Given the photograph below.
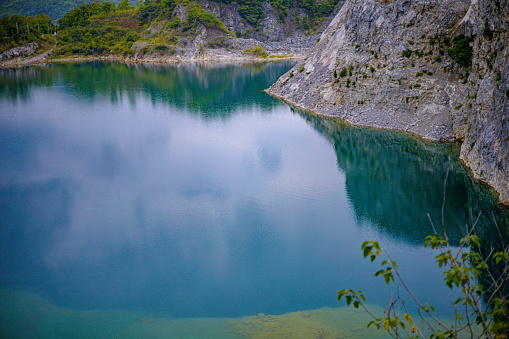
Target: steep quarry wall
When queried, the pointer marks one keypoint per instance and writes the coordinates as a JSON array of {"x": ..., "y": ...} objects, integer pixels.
[{"x": 435, "y": 68}]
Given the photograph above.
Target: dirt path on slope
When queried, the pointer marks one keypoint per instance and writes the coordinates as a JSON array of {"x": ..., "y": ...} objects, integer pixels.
[{"x": 41, "y": 57}]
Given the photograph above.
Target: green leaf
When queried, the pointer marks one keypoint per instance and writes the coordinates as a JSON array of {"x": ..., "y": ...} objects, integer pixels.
[
  {"x": 367, "y": 251},
  {"x": 388, "y": 277},
  {"x": 341, "y": 294}
]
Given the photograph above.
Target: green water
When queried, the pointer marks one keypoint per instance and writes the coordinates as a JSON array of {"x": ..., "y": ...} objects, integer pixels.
[{"x": 182, "y": 201}]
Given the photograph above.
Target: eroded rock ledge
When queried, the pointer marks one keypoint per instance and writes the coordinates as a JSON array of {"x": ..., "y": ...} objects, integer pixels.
[{"x": 390, "y": 64}]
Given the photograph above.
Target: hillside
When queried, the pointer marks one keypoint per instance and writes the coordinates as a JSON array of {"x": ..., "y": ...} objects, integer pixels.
[
  {"x": 435, "y": 68},
  {"x": 55, "y": 9},
  {"x": 166, "y": 30}
]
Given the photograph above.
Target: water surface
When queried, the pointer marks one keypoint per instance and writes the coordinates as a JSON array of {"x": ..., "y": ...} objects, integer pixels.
[{"x": 160, "y": 192}]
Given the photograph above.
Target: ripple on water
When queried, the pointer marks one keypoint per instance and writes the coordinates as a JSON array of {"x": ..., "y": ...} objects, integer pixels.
[{"x": 269, "y": 156}]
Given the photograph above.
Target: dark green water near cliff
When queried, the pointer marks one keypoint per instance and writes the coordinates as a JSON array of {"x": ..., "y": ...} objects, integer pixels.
[{"x": 183, "y": 201}]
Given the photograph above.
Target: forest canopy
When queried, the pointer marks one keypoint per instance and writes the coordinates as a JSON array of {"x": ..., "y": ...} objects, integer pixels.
[{"x": 55, "y": 9}]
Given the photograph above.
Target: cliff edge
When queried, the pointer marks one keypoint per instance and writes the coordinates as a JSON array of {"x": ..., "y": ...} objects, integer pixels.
[{"x": 435, "y": 68}]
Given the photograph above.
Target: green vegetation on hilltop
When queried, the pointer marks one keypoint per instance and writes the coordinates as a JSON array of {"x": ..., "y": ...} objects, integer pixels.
[
  {"x": 318, "y": 9},
  {"x": 99, "y": 28},
  {"x": 19, "y": 30},
  {"x": 55, "y": 9},
  {"x": 112, "y": 27},
  {"x": 103, "y": 28}
]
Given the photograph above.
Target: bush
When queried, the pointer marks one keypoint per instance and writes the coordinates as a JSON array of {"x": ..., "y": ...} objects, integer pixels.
[
  {"x": 252, "y": 12},
  {"x": 282, "y": 8},
  {"x": 406, "y": 53},
  {"x": 461, "y": 53},
  {"x": 258, "y": 51},
  {"x": 197, "y": 14},
  {"x": 175, "y": 23}
]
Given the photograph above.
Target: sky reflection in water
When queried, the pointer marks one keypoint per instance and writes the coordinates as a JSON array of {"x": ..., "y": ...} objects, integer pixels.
[{"x": 187, "y": 190}]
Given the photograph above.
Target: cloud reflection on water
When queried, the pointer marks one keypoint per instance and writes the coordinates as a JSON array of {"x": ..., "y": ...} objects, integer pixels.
[{"x": 164, "y": 200}]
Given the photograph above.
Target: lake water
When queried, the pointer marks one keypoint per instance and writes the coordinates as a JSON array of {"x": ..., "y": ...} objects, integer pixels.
[{"x": 182, "y": 201}]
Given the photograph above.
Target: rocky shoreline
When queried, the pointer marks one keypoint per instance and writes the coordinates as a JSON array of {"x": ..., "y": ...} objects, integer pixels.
[
  {"x": 295, "y": 47},
  {"x": 155, "y": 60},
  {"x": 191, "y": 56}
]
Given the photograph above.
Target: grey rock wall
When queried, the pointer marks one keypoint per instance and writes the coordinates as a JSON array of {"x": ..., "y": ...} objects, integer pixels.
[
  {"x": 21, "y": 51},
  {"x": 387, "y": 64},
  {"x": 486, "y": 146},
  {"x": 270, "y": 28}
]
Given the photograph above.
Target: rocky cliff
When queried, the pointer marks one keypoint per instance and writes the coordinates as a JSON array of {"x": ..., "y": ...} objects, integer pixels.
[
  {"x": 21, "y": 51},
  {"x": 278, "y": 37},
  {"x": 435, "y": 68}
]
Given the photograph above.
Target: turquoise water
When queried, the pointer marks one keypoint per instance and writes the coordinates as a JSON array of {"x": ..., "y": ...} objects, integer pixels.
[{"x": 186, "y": 194}]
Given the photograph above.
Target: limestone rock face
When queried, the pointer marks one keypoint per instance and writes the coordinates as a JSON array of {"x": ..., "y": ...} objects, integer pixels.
[
  {"x": 21, "y": 51},
  {"x": 486, "y": 146},
  {"x": 270, "y": 28},
  {"x": 405, "y": 64}
]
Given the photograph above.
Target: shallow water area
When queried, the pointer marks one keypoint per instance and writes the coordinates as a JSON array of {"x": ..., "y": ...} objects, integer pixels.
[
  {"x": 182, "y": 201},
  {"x": 29, "y": 316}
]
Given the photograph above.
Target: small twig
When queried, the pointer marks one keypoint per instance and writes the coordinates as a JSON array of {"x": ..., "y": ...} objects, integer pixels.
[
  {"x": 373, "y": 316},
  {"x": 414, "y": 297},
  {"x": 443, "y": 208},
  {"x": 432, "y": 224},
  {"x": 468, "y": 321}
]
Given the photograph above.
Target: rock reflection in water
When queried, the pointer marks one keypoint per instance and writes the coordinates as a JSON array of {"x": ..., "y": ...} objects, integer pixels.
[{"x": 394, "y": 180}]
